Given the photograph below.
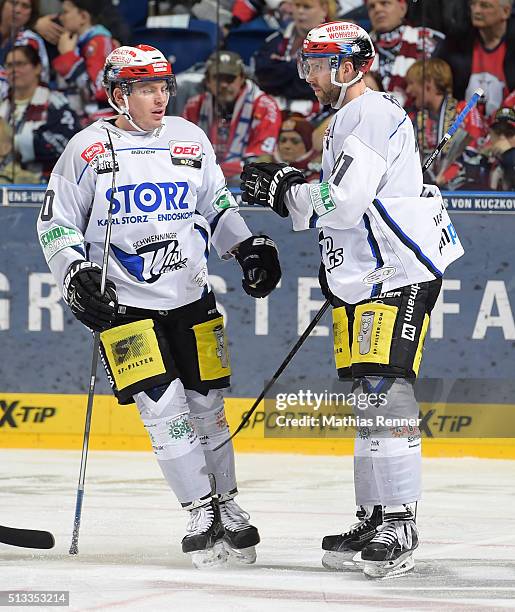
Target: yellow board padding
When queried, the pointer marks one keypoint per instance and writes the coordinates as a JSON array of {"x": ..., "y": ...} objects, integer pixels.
[
  {"x": 47, "y": 421},
  {"x": 212, "y": 349},
  {"x": 420, "y": 347},
  {"x": 133, "y": 353},
  {"x": 342, "y": 356}
]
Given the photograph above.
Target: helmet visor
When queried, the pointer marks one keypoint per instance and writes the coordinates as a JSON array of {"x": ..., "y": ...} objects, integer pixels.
[
  {"x": 315, "y": 65},
  {"x": 169, "y": 83}
]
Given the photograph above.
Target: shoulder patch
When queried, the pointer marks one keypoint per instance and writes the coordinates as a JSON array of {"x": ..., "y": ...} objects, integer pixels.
[
  {"x": 89, "y": 154},
  {"x": 186, "y": 153}
]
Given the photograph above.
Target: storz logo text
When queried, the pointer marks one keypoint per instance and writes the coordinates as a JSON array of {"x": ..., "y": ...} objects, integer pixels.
[{"x": 148, "y": 197}]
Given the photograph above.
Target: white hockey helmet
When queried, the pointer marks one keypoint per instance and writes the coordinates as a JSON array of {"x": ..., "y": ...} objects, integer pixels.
[
  {"x": 127, "y": 65},
  {"x": 333, "y": 42}
]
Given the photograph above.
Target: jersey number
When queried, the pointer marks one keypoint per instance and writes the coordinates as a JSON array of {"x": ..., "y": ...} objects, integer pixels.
[
  {"x": 347, "y": 161},
  {"x": 46, "y": 209},
  {"x": 393, "y": 100}
]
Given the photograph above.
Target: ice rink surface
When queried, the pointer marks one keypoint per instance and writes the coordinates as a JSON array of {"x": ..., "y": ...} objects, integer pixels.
[{"x": 130, "y": 557}]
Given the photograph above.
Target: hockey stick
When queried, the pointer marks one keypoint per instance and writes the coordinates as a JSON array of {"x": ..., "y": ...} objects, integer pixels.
[
  {"x": 74, "y": 547},
  {"x": 448, "y": 135},
  {"x": 280, "y": 370},
  {"x": 26, "y": 538},
  {"x": 453, "y": 129}
]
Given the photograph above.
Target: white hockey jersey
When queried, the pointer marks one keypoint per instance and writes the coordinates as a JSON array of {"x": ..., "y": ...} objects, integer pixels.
[
  {"x": 170, "y": 204},
  {"x": 377, "y": 232}
]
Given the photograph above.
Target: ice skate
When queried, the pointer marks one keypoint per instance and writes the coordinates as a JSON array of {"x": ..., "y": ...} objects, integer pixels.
[
  {"x": 342, "y": 548},
  {"x": 240, "y": 537},
  {"x": 205, "y": 532},
  {"x": 390, "y": 552}
]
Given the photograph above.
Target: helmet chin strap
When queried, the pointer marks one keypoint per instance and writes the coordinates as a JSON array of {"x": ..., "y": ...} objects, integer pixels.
[
  {"x": 343, "y": 87},
  {"x": 124, "y": 111}
]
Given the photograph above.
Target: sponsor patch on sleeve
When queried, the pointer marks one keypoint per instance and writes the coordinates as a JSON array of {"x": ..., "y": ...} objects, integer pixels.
[
  {"x": 186, "y": 153},
  {"x": 321, "y": 201},
  {"x": 58, "y": 238},
  {"x": 224, "y": 200}
]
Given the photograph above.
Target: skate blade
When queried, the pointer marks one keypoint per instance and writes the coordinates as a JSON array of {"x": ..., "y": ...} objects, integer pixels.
[
  {"x": 209, "y": 558},
  {"x": 389, "y": 569},
  {"x": 343, "y": 561},
  {"x": 245, "y": 556}
]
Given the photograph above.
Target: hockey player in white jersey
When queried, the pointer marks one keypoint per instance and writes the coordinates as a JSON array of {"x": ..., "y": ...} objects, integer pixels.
[
  {"x": 163, "y": 342},
  {"x": 384, "y": 250}
]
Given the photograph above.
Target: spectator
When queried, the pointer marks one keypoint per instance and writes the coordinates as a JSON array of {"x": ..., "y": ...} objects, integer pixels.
[
  {"x": 398, "y": 45},
  {"x": 430, "y": 87},
  {"x": 452, "y": 17},
  {"x": 42, "y": 118},
  {"x": 83, "y": 48},
  {"x": 276, "y": 61},
  {"x": 240, "y": 120},
  {"x": 346, "y": 6},
  {"x": 244, "y": 11},
  {"x": 10, "y": 169},
  {"x": 510, "y": 101},
  {"x": 49, "y": 28},
  {"x": 502, "y": 148},
  {"x": 373, "y": 81},
  {"x": 16, "y": 17},
  {"x": 4, "y": 85},
  {"x": 295, "y": 147},
  {"x": 485, "y": 58}
]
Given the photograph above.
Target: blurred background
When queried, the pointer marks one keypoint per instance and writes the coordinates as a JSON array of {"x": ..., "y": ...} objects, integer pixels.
[{"x": 431, "y": 55}]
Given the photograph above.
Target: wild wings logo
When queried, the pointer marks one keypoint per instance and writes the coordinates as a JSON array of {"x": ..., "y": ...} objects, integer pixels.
[{"x": 152, "y": 260}]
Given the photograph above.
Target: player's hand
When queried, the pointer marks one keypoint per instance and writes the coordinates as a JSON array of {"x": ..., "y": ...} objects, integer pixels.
[
  {"x": 266, "y": 184},
  {"x": 81, "y": 291},
  {"x": 259, "y": 259}
]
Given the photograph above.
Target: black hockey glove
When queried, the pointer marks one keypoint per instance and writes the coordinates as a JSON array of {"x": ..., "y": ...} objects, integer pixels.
[
  {"x": 266, "y": 184},
  {"x": 81, "y": 291},
  {"x": 259, "y": 260}
]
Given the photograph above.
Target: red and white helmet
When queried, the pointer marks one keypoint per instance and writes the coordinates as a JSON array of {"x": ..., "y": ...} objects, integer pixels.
[
  {"x": 334, "y": 42},
  {"x": 127, "y": 65}
]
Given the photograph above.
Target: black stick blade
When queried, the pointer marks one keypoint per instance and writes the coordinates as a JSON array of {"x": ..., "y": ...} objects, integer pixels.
[{"x": 26, "y": 538}]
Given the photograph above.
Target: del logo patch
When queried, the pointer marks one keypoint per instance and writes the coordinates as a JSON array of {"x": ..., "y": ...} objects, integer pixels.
[
  {"x": 92, "y": 151},
  {"x": 186, "y": 153}
]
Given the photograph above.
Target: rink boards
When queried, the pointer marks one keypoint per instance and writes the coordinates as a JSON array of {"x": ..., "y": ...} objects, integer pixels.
[
  {"x": 44, "y": 370},
  {"x": 57, "y": 421}
]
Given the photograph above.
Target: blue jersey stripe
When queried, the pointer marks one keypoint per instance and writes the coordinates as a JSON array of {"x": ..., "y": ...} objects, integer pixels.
[
  {"x": 397, "y": 128},
  {"x": 376, "y": 253},
  {"x": 406, "y": 240}
]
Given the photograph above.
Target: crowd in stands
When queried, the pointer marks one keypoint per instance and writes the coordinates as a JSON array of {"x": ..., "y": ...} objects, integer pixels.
[{"x": 431, "y": 55}]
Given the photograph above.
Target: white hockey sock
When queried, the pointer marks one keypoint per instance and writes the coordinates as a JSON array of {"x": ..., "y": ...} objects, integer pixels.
[
  {"x": 387, "y": 464},
  {"x": 208, "y": 417},
  {"x": 175, "y": 442}
]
